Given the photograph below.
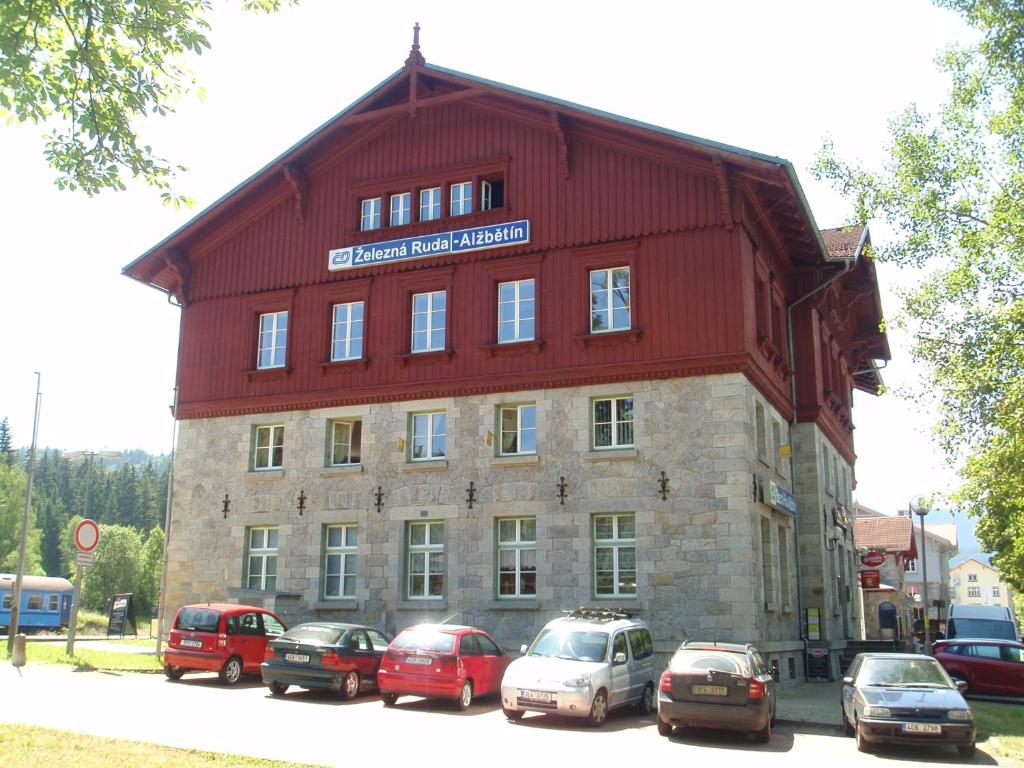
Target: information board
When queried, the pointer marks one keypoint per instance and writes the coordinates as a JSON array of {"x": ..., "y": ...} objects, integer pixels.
[{"x": 122, "y": 613}]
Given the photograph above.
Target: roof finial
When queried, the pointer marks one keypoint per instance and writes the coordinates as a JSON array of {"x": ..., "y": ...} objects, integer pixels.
[{"x": 415, "y": 57}]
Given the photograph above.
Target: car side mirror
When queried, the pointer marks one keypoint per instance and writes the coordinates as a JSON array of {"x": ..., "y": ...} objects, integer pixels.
[
  {"x": 522, "y": 649},
  {"x": 619, "y": 658},
  {"x": 501, "y": 651},
  {"x": 961, "y": 685},
  {"x": 847, "y": 681}
]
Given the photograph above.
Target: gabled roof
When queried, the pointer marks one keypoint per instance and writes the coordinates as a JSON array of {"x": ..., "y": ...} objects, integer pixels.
[
  {"x": 894, "y": 535},
  {"x": 974, "y": 560},
  {"x": 419, "y": 86}
]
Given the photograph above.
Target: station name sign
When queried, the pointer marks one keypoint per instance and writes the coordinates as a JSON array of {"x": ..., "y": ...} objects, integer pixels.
[
  {"x": 422, "y": 246},
  {"x": 781, "y": 499}
]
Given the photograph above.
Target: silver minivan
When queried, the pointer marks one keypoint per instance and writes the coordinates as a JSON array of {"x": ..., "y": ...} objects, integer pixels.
[{"x": 583, "y": 664}]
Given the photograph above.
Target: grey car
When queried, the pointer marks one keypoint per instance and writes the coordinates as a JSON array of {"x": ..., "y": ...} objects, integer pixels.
[
  {"x": 901, "y": 698},
  {"x": 717, "y": 685}
]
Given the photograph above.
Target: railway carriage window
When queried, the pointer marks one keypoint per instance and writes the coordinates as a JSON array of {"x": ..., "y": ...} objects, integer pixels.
[
  {"x": 54, "y": 602},
  {"x": 7, "y": 602},
  {"x": 35, "y": 602}
]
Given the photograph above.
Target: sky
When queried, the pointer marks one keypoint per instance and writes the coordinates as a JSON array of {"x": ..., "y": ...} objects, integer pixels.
[{"x": 776, "y": 78}]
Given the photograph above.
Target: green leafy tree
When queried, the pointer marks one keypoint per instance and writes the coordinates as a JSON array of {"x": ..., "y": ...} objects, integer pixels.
[
  {"x": 6, "y": 449},
  {"x": 150, "y": 569},
  {"x": 953, "y": 191},
  {"x": 116, "y": 568},
  {"x": 90, "y": 69},
  {"x": 13, "y": 486}
]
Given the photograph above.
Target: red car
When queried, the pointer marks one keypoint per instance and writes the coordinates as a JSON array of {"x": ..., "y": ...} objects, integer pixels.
[
  {"x": 225, "y": 638},
  {"x": 441, "y": 661},
  {"x": 987, "y": 665}
]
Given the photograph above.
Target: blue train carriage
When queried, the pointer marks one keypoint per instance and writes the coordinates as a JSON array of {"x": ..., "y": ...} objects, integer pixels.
[{"x": 45, "y": 602}]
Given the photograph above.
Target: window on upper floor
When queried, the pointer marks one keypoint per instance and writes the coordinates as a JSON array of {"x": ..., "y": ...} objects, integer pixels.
[
  {"x": 427, "y": 436},
  {"x": 428, "y": 321},
  {"x": 492, "y": 193},
  {"x": 268, "y": 447},
  {"x": 761, "y": 431},
  {"x": 516, "y": 311},
  {"x": 346, "y": 437},
  {"x": 430, "y": 204},
  {"x": 609, "y": 300},
  {"x": 401, "y": 209},
  {"x": 612, "y": 425},
  {"x": 273, "y": 340},
  {"x": 910, "y": 566},
  {"x": 461, "y": 198},
  {"x": 517, "y": 425},
  {"x": 974, "y": 591},
  {"x": 369, "y": 214},
  {"x": 972, "y": 577},
  {"x": 995, "y": 591},
  {"x": 347, "y": 331}
]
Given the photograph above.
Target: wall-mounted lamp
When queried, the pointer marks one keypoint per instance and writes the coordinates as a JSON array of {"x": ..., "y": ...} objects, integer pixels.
[{"x": 832, "y": 534}]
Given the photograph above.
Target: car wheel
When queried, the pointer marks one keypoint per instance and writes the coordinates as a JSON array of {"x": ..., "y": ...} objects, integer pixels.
[
  {"x": 173, "y": 673},
  {"x": 599, "y": 709},
  {"x": 389, "y": 699},
  {"x": 664, "y": 728},
  {"x": 465, "y": 696},
  {"x": 513, "y": 714},
  {"x": 863, "y": 745},
  {"x": 350, "y": 685},
  {"x": 231, "y": 672},
  {"x": 765, "y": 734},
  {"x": 966, "y": 750},
  {"x": 646, "y": 704},
  {"x": 278, "y": 689}
]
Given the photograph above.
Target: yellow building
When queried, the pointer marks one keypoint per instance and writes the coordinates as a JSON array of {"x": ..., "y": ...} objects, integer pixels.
[{"x": 974, "y": 583}]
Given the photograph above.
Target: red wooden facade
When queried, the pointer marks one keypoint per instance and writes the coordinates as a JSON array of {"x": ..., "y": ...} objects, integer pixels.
[{"x": 719, "y": 241}]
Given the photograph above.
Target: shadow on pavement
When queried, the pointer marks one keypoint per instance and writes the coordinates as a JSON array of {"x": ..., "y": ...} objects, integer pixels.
[{"x": 624, "y": 719}]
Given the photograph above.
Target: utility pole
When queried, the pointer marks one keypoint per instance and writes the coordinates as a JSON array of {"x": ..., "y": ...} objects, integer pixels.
[{"x": 20, "y": 577}]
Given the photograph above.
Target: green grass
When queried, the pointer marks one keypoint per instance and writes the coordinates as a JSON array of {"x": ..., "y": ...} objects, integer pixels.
[
  {"x": 89, "y": 658},
  {"x": 32, "y": 747},
  {"x": 1000, "y": 727}
]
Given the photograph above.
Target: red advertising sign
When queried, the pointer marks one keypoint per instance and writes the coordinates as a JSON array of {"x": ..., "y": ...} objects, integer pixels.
[
  {"x": 873, "y": 559},
  {"x": 869, "y": 579}
]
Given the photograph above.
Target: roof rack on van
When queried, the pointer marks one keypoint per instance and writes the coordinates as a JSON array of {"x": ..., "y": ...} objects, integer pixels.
[{"x": 597, "y": 614}]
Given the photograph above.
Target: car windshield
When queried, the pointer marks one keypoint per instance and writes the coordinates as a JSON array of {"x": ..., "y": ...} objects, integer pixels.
[
  {"x": 733, "y": 663},
  {"x": 909, "y": 673},
  {"x": 197, "y": 620},
  {"x": 1003, "y": 630},
  {"x": 424, "y": 640},
  {"x": 570, "y": 644},
  {"x": 313, "y": 634}
]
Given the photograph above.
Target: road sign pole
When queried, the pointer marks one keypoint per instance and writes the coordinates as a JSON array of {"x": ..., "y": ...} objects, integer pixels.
[{"x": 70, "y": 650}]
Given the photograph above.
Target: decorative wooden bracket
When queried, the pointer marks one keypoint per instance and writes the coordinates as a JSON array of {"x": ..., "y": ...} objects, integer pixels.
[
  {"x": 298, "y": 183},
  {"x": 179, "y": 266},
  {"x": 723, "y": 191},
  {"x": 563, "y": 143}
]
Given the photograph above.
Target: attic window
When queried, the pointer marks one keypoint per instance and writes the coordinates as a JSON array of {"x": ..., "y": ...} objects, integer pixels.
[
  {"x": 492, "y": 193},
  {"x": 370, "y": 214}
]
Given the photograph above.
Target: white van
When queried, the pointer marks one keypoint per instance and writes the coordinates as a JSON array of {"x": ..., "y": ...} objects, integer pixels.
[{"x": 995, "y": 621}]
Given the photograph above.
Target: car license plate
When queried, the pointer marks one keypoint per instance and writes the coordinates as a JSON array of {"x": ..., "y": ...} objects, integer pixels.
[
  {"x": 425, "y": 660},
  {"x": 546, "y": 696},
  {"x": 710, "y": 690},
  {"x": 191, "y": 643},
  {"x": 922, "y": 728},
  {"x": 301, "y": 658}
]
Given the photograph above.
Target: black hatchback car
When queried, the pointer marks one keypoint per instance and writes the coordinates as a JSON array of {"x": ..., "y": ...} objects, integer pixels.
[
  {"x": 717, "y": 685},
  {"x": 901, "y": 698}
]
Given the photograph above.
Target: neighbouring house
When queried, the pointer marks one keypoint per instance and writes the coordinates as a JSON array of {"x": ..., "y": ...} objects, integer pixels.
[
  {"x": 940, "y": 546},
  {"x": 973, "y": 582},
  {"x": 467, "y": 351},
  {"x": 888, "y": 543}
]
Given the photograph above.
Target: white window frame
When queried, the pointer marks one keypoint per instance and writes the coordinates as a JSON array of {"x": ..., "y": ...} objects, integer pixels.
[
  {"x": 272, "y": 344},
  {"x": 347, "y": 323},
  {"x": 268, "y": 453},
  {"x": 601, "y": 301},
  {"x": 401, "y": 204},
  {"x": 461, "y": 198},
  {"x": 369, "y": 214},
  {"x": 435, "y": 333},
  {"x": 785, "y": 587},
  {"x": 760, "y": 431},
  {"x": 911, "y": 566},
  {"x": 520, "y": 431},
  {"x": 346, "y": 559},
  {"x": 974, "y": 591},
  {"x": 517, "y": 546},
  {"x": 523, "y": 310},
  {"x": 618, "y": 545},
  {"x": 430, "y": 204},
  {"x": 972, "y": 577},
  {"x": 266, "y": 555},
  {"x": 433, "y": 544},
  {"x": 352, "y": 447},
  {"x": 430, "y": 436},
  {"x": 767, "y": 575},
  {"x": 995, "y": 591},
  {"x": 616, "y": 423}
]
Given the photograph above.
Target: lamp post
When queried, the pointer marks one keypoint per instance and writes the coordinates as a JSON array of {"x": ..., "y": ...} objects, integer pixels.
[
  {"x": 79, "y": 569},
  {"x": 919, "y": 505}
]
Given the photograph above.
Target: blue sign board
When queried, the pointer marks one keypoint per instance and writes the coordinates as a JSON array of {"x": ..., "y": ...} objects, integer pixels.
[
  {"x": 781, "y": 499},
  {"x": 422, "y": 246}
]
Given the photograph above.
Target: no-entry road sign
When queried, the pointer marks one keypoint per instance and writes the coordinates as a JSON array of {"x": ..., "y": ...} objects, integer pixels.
[{"x": 87, "y": 535}]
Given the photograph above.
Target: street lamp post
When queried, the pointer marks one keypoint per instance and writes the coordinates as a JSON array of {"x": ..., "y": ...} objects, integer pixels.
[{"x": 919, "y": 505}]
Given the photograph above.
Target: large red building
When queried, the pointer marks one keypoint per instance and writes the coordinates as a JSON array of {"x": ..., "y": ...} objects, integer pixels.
[{"x": 470, "y": 349}]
